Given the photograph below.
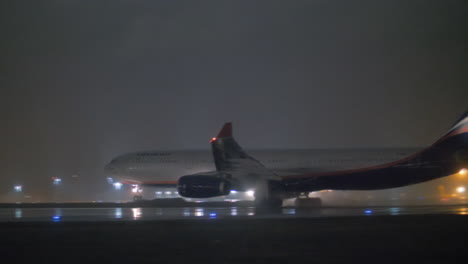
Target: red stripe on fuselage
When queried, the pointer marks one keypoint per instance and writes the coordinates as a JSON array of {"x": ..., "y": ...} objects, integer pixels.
[{"x": 459, "y": 131}]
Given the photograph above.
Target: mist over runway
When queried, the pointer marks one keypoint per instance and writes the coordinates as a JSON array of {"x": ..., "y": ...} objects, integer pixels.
[{"x": 127, "y": 213}]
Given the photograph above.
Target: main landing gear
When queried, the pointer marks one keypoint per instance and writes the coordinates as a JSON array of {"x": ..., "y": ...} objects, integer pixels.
[{"x": 268, "y": 196}]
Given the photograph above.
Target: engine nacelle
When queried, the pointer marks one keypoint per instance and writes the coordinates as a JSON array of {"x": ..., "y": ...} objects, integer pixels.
[{"x": 203, "y": 186}]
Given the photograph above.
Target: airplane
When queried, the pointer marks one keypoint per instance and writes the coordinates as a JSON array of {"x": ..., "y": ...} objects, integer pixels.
[{"x": 275, "y": 175}]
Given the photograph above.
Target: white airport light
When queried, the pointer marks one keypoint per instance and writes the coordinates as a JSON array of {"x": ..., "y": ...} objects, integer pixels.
[
  {"x": 199, "y": 212},
  {"x": 18, "y": 213},
  {"x": 18, "y": 188},
  {"x": 117, "y": 185},
  {"x": 250, "y": 193},
  {"x": 118, "y": 213},
  {"x": 233, "y": 211},
  {"x": 56, "y": 181},
  {"x": 136, "y": 213},
  {"x": 461, "y": 189},
  {"x": 168, "y": 192},
  {"x": 463, "y": 171}
]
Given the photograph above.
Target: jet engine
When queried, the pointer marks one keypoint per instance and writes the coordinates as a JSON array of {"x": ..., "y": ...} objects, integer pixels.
[{"x": 203, "y": 186}]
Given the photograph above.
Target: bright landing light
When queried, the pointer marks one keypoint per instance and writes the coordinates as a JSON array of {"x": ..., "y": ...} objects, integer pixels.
[
  {"x": 117, "y": 185},
  {"x": 461, "y": 189}
]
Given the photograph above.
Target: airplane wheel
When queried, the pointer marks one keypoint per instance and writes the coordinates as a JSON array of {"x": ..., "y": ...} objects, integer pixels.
[{"x": 308, "y": 202}]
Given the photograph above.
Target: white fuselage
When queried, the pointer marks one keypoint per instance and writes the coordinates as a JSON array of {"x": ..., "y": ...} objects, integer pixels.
[{"x": 169, "y": 166}]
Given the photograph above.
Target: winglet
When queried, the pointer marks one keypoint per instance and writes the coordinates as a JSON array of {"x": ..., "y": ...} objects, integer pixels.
[{"x": 226, "y": 131}]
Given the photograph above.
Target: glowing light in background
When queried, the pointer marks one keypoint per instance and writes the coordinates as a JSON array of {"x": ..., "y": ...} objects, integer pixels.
[
  {"x": 250, "y": 193},
  {"x": 463, "y": 171},
  {"x": 233, "y": 211},
  {"x": 368, "y": 212},
  {"x": 117, "y": 185},
  {"x": 18, "y": 213},
  {"x": 199, "y": 212},
  {"x": 136, "y": 188},
  {"x": 186, "y": 212},
  {"x": 461, "y": 189},
  {"x": 56, "y": 181},
  {"x": 18, "y": 188},
  {"x": 251, "y": 211},
  {"x": 213, "y": 215},
  {"x": 136, "y": 213},
  {"x": 56, "y": 218},
  {"x": 394, "y": 211},
  {"x": 213, "y": 139},
  {"x": 233, "y": 191},
  {"x": 118, "y": 213}
]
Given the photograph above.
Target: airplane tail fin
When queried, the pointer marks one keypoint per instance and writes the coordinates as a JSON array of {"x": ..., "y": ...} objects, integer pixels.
[
  {"x": 460, "y": 127},
  {"x": 229, "y": 157},
  {"x": 226, "y": 152}
]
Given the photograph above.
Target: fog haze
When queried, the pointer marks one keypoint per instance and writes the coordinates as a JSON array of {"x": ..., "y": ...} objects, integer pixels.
[{"x": 84, "y": 81}]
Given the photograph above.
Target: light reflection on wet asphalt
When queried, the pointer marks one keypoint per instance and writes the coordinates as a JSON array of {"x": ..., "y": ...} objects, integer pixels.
[{"x": 138, "y": 214}]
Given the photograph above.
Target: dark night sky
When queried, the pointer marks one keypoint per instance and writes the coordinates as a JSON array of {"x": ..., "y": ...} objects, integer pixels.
[{"x": 83, "y": 81}]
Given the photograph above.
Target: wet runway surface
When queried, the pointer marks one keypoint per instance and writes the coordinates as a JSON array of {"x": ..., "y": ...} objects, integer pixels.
[
  {"x": 154, "y": 214},
  {"x": 428, "y": 234}
]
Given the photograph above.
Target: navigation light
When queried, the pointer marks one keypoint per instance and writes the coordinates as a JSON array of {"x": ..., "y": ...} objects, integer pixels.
[{"x": 212, "y": 139}]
